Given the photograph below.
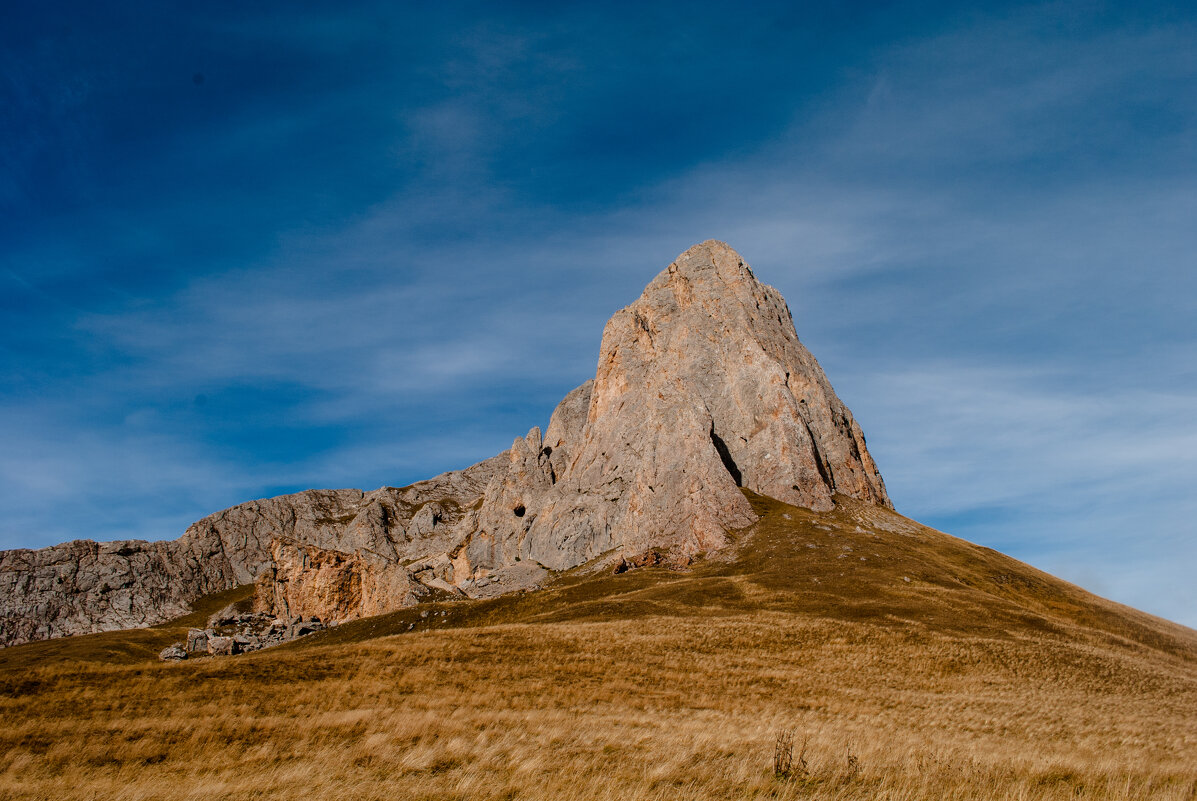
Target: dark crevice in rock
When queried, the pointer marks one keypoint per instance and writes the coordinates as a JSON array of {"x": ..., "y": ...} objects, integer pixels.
[
  {"x": 725, "y": 455},
  {"x": 820, "y": 463}
]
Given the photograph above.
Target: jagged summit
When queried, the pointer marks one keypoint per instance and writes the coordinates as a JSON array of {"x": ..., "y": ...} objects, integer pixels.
[
  {"x": 702, "y": 388},
  {"x": 786, "y": 432}
]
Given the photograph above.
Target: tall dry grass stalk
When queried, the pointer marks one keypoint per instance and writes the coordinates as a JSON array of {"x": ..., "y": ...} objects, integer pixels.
[{"x": 783, "y": 754}]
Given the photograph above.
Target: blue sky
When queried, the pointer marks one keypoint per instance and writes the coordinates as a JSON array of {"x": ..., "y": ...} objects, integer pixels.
[{"x": 247, "y": 252}]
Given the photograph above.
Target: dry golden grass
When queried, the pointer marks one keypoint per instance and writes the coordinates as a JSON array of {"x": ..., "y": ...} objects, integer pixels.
[{"x": 978, "y": 679}]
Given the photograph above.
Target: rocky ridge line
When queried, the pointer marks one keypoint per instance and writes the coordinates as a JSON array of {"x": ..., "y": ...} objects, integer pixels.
[{"x": 82, "y": 586}]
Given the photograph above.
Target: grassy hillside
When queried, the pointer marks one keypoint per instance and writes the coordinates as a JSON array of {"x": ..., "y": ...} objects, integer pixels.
[{"x": 911, "y": 664}]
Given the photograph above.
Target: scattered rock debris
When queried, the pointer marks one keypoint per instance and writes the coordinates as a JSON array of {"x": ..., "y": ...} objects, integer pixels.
[
  {"x": 654, "y": 558},
  {"x": 231, "y": 632}
]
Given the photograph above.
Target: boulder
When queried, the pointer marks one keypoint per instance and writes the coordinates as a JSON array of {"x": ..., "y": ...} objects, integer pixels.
[
  {"x": 197, "y": 640},
  {"x": 173, "y": 653},
  {"x": 246, "y": 642},
  {"x": 223, "y": 617}
]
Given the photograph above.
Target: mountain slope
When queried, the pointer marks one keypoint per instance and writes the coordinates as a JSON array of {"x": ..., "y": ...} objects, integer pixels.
[
  {"x": 979, "y": 678},
  {"x": 858, "y": 562},
  {"x": 855, "y": 563}
]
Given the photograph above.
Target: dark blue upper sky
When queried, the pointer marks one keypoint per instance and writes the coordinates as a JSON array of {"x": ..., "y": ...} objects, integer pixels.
[{"x": 246, "y": 251}]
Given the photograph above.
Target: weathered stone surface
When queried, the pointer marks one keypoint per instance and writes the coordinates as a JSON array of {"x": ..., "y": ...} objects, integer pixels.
[
  {"x": 564, "y": 433},
  {"x": 653, "y": 558},
  {"x": 173, "y": 653},
  {"x": 302, "y": 626},
  {"x": 224, "y": 617},
  {"x": 197, "y": 640},
  {"x": 246, "y": 642},
  {"x": 222, "y": 646},
  {"x": 81, "y": 587},
  {"x": 306, "y": 579},
  {"x": 702, "y": 387}
]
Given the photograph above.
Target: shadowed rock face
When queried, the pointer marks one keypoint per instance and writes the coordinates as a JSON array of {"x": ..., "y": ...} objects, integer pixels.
[{"x": 702, "y": 387}]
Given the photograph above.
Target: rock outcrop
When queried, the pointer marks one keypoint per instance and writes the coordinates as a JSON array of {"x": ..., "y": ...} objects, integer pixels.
[
  {"x": 82, "y": 587},
  {"x": 341, "y": 585},
  {"x": 232, "y": 631},
  {"x": 702, "y": 388}
]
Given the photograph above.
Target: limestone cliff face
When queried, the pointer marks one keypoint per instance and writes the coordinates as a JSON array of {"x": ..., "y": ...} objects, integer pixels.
[
  {"x": 82, "y": 586},
  {"x": 702, "y": 387}
]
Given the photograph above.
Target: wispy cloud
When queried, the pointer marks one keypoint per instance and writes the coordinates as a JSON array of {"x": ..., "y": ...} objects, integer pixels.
[
  {"x": 1091, "y": 486},
  {"x": 379, "y": 243}
]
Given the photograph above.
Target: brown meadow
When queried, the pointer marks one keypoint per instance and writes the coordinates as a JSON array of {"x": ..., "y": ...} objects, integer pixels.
[{"x": 909, "y": 665}]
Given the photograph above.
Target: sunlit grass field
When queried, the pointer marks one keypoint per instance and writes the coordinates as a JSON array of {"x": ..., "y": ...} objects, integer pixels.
[{"x": 908, "y": 665}]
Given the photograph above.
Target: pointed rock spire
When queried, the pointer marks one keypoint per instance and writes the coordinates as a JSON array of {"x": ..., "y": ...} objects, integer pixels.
[{"x": 702, "y": 388}]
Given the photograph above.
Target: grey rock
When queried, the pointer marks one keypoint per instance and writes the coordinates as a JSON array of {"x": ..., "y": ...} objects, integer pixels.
[
  {"x": 197, "y": 640},
  {"x": 173, "y": 653},
  {"x": 438, "y": 584},
  {"x": 223, "y": 617},
  {"x": 82, "y": 587},
  {"x": 246, "y": 642},
  {"x": 702, "y": 388},
  {"x": 222, "y": 646},
  {"x": 302, "y": 627}
]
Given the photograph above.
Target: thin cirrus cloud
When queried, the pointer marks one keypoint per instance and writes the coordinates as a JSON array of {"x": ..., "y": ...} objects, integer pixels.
[{"x": 364, "y": 247}]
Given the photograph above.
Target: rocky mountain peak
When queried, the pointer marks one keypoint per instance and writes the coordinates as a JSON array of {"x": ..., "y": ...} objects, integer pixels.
[
  {"x": 702, "y": 388},
  {"x": 710, "y": 335}
]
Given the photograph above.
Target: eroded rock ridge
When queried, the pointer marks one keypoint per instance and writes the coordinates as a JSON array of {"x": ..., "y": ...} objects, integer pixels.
[{"x": 702, "y": 388}]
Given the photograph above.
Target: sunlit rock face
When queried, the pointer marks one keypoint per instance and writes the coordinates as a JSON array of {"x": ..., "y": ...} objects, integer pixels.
[{"x": 702, "y": 387}]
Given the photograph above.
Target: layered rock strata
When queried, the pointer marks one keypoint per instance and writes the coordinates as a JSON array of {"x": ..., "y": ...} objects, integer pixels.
[{"x": 702, "y": 388}]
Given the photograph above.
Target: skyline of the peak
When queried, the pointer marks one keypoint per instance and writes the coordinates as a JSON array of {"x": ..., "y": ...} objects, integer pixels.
[{"x": 251, "y": 251}]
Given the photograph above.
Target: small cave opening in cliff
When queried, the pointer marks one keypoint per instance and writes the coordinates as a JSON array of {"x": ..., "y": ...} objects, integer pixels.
[
  {"x": 725, "y": 455},
  {"x": 519, "y": 510}
]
